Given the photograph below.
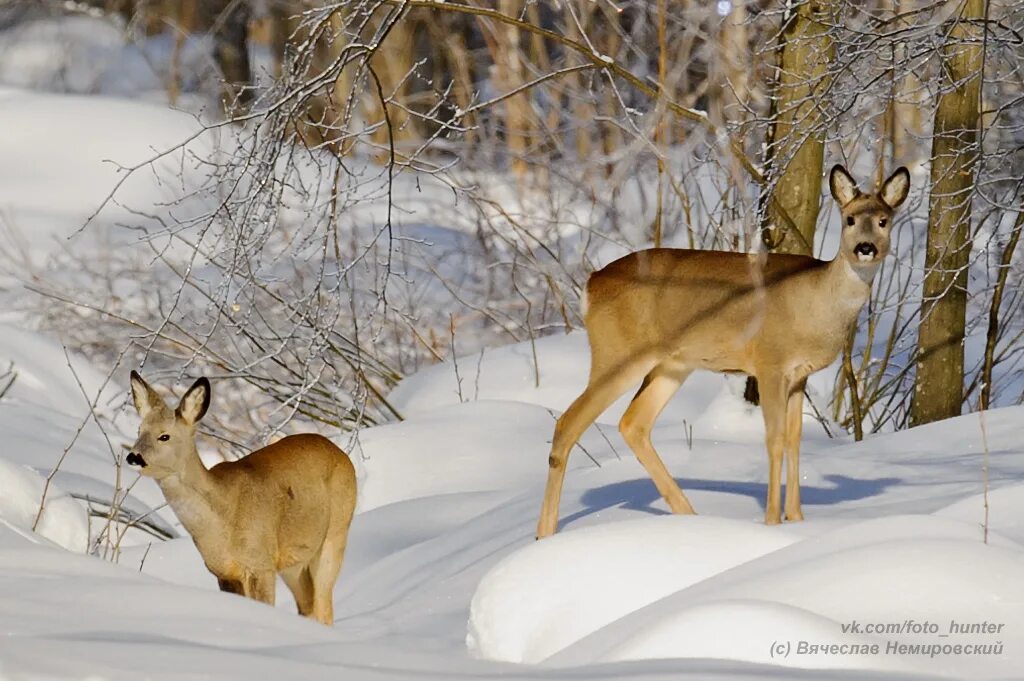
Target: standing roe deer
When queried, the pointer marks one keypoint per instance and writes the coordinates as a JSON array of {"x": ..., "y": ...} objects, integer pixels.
[
  {"x": 659, "y": 314},
  {"x": 283, "y": 509}
]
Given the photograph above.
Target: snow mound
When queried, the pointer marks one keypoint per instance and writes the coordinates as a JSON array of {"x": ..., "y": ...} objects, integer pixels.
[
  {"x": 74, "y": 54},
  {"x": 64, "y": 521},
  {"x": 919, "y": 569},
  {"x": 44, "y": 412},
  {"x": 42, "y": 374},
  {"x": 558, "y": 377},
  {"x": 108, "y": 135},
  {"x": 710, "y": 404},
  {"x": 548, "y": 595},
  {"x": 735, "y": 630},
  {"x": 470, "y": 447},
  {"x": 1005, "y": 511}
]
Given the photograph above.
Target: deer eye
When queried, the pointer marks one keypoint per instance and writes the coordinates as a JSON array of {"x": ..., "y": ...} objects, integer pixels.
[
  {"x": 850, "y": 221},
  {"x": 164, "y": 438},
  {"x": 882, "y": 222}
]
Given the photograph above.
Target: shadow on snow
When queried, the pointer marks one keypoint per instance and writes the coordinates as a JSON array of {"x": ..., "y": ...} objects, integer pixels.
[{"x": 640, "y": 494}]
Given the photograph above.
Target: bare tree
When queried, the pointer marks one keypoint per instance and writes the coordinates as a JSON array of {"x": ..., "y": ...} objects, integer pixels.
[
  {"x": 414, "y": 167},
  {"x": 938, "y": 387},
  {"x": 796, "y": 144}
]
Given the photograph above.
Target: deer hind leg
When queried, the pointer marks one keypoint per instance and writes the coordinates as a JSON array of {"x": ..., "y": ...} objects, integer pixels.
[
  {"x": 300, "y": 583},
  {"x": 325, "y": 566},
  {"x": 774, "y": 395},
  {"x": 794, "y": 428},
  {"x": 324, "y": 570},
  {"x": 608, "y": 380},
  {"x": 658, "y": 388}
]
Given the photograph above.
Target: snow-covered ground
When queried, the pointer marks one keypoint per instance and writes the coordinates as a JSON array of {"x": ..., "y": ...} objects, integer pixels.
[{"x": 443, "y": 577}]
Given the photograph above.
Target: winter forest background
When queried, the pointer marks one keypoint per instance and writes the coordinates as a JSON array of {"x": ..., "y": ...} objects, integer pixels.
[
  {"x": 374, "y": 219},
  {"x": 544, "y": 139}
]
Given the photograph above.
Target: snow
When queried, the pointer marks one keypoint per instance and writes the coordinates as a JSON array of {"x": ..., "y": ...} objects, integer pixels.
[
  {"x": 42, "y": 414},
  {"x": 43, "y": 377},
  {"x": 508, "y": 373},
  {"x": 98, "y": 55},
  {"x": 74, "y": 54},
  {"x": 100, "y": 138},
  {"x": 884, "y": 570},
  {"x": 397, "y": 471},
  {"x": 443, "y": 577},
  {"x": 709, "y": 587},
  {"x": 1006, "y": 510},
  {"x": 549, "y": 595},
  {"x": 63, "y": 520},
  {"x": 735, "y": 629}
]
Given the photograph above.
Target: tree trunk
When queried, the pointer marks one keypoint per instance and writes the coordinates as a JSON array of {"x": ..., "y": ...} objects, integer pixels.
[
  {"x": 992, "y": 336},
  {"x": 510, "y": 72},
  {"x": 797, "y": 145},
  {"x": 231, "y": 52},
  {"x": 583, "y": 110},
  {"x": 393, "y": 62},
  {"x": 280, "y": 29},
  {"x": 612, "y": 138},
  {"x": 184, "y": 24},
  {"x": 451, "y": 32},
  {"x": 938, "y": 387}
]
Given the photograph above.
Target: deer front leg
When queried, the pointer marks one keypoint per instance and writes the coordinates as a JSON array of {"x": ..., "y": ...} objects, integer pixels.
[
  {"x": 794, "y": 429},
  {"x": 773, "y": 407},
  {"x": 231, "y": 586},
  {"x": 260, "y": 586}
]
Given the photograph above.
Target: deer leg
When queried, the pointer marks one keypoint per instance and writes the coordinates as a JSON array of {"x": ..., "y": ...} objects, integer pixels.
[
  {"x": 658, "y": 388},
  {"x": 260, "y": 586},
  {"x": 773, "y": 407},
  {"x": 794, "y": 428},
  {"x": 231, "y": 586},
  {"x": 324, "y": 571},
  {"x": 300, "y": 583},
  {"x": 603, "y": 389},
  {"x": 324, "y": 567}
]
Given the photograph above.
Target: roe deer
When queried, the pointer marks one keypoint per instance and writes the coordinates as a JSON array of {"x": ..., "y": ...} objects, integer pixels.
[
  {"x": 659, "y": 314},
  {"x": 283, "y": 509}
]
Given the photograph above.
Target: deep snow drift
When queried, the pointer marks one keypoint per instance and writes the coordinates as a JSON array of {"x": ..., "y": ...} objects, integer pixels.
[{"x": 443, "y": 576}]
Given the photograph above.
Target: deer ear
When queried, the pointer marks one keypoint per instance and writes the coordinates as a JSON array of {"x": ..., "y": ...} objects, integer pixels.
[
  {"x": 895, "y": 189},
  {"x": 144, "y": 397},
  {"x": 842, "y": 186},
  {"x": 195, "y": 402}
]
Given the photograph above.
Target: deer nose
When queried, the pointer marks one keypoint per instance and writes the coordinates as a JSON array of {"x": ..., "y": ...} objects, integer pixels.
[
  {"x": 865, "y": 250},
  {"x": 134, "y": 459}
]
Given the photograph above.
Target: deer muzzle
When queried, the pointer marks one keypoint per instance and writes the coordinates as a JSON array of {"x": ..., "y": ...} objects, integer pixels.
[
  {"x": 134, "y": 459},
  {"x": 865, "y": 251}
]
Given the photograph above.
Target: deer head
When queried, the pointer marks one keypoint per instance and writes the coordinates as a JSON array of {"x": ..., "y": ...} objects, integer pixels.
[
  {"x": 867, "y": 218},
  {"x": 167, "y": 437}
]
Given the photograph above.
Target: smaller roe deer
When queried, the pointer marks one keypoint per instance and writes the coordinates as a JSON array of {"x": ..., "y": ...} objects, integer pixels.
[{"x": 283, "y": 509}]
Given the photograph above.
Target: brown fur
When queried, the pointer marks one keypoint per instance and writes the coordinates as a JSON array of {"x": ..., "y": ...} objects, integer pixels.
[
  {"x": 284, "y": 509},
  {"x": 659, "y": 314}
]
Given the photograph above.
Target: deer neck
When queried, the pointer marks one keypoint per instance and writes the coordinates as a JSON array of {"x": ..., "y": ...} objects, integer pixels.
[
  {"x": 844, "y": 288},
  {"x": 193, "y": 494},
  {"x": 848, "y": 283}
]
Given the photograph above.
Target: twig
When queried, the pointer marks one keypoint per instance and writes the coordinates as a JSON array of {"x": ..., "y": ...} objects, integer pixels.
[
  {"x": 455, "y": 356},
  {"x": 7, "y": 379}
]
